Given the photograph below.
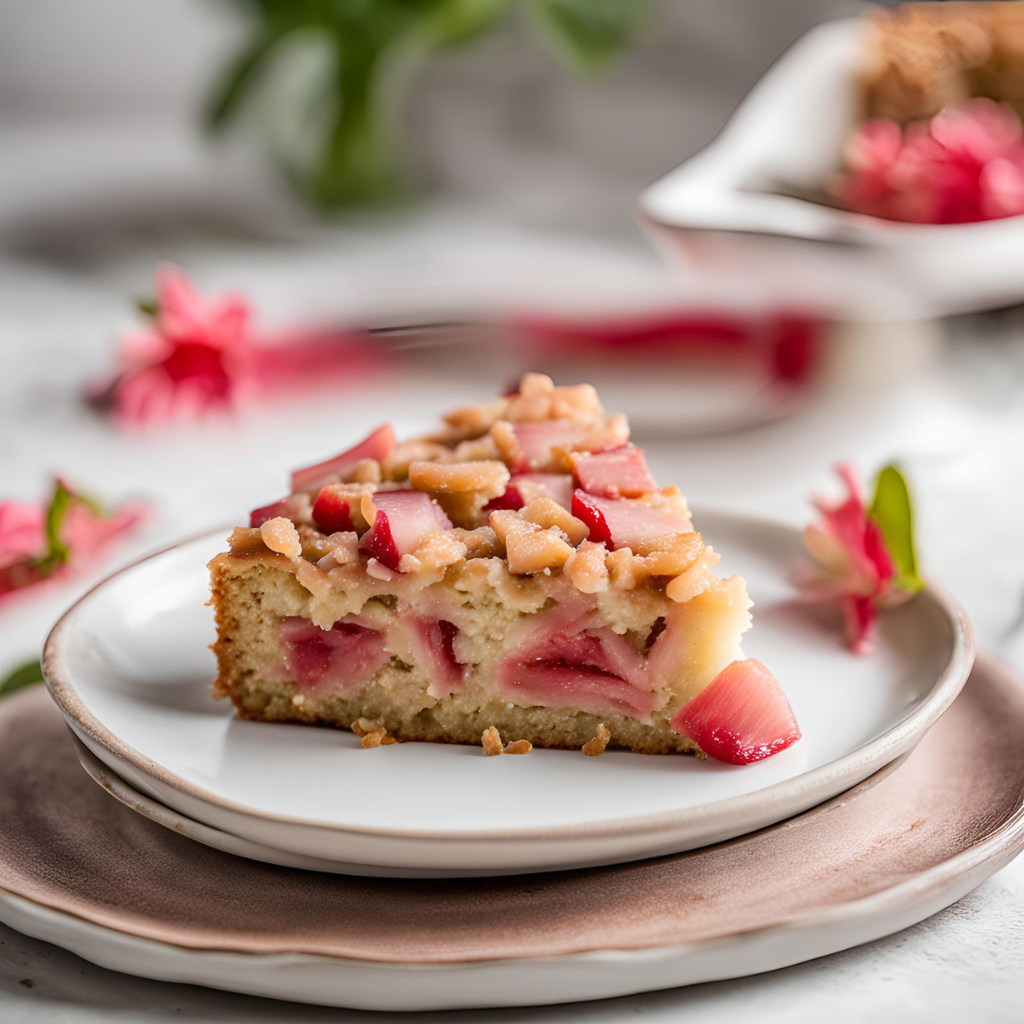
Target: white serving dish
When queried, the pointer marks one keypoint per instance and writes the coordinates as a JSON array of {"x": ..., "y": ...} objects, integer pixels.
[{"x": 726, "y": 210}]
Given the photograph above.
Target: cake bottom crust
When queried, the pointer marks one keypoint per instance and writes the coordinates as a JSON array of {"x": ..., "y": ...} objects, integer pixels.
[{"x": 270, "y": 701}]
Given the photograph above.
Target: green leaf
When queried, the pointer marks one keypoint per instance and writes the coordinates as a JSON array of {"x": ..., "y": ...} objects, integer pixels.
[
  {"x": 891, "y": 509},
  {"x": 147, "y": 307},
  {"x": 453, "y": 22},
  {"x": 57, "y": 552},
  {"x": 590, "y": 32},
  {"x": 26, "y": 675}
]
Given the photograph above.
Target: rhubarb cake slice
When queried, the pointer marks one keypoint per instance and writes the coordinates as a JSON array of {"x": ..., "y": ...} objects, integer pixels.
[{"x": 516, "y": 576}]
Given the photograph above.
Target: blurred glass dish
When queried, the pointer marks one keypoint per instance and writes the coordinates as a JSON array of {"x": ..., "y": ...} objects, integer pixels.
[{"x": 680, "y": 372}]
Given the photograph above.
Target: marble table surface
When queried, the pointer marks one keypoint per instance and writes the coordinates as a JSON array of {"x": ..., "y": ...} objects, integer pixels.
[{"x": 946, "y": 399}]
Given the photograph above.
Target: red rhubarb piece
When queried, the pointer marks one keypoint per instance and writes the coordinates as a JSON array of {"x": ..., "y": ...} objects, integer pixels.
[
  {"x": 331, "y": 512},
  {"x": 434, "y": 642},
  {"x": 586, "y": 509},
  {"x": 403, "y": 521},
  {"x": 556, "y": 486},
  {"x": 623, "y": 523},
  {"x": 535, "y": 439},
  {"x": 742, "y": 716},
  {"x": 554, "y": 662},
  {"x": 258, "y": 516},
  {"x": 619, "y": 473},
  {"x": 525, "y": 487},
  {"x": 510, "y": 500},
  {"x": 376, "y": 446},
  {"x": 345, "y": 656}
]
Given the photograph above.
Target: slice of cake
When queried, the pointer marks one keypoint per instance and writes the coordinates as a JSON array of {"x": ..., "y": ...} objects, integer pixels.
[{"x": 517, "y": 576}]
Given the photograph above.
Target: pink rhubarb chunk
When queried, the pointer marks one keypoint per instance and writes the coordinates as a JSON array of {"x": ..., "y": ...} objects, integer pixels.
[
  {"x": 331, "y": 512},
  {"x": 556, "y": 486},
  {"x": 620, "y": 473},
  {"x": 525, "y": 487},
  {"x": 741, "y": 716},
  {"x": 433, "y": 641},
  {"x": 594, "y": 670},
  {"x": 509, "y": 500},
  {"x": 258, "y": 516},
  {"x": 536, "y": 439},
  {"x": 622, "y": 523},
  {"x": 404, "y": 520},
  {"x": 343, "y": 657},
  {"x": 376, "y": 446}
]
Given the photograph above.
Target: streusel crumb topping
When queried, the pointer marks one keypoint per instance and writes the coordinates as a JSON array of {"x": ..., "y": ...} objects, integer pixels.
[{"x": 542, "y": 479}]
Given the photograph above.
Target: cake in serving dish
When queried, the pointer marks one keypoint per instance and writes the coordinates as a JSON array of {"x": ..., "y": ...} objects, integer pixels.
[{"x": 516, "y": 577}]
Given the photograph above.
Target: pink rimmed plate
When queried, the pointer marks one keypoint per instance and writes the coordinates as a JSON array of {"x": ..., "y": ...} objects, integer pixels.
[{"x": 130, "y": 669}]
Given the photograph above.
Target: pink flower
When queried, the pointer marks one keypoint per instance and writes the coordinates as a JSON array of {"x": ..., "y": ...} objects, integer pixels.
[
  {"x": 191, "y": 360},
  {"x": 45, "y": 542},
  {"x": 200, "y": 356},
  {"x": 965, "y": 165},
  {"x": 852, "y": 562}
]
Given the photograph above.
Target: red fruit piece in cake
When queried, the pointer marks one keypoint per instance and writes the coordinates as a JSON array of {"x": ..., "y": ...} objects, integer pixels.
[
  {"x": 624, "y": 523},
  {"x": 401, "y": 522},
  {"x": 556, "y": 486},
  {"x": 555, "y": 664},
  {"x": 376, "y": 446},
  {"x": 258, "y": 516},
  {"x": 619, "y": 473},
  {"x": 345, "y": 656},
  {"x": 433, "y": 641},
  {"x": 331, "y": 512},
  {"x": 509, "y": 501},
  {"x": 535, "y": 439},
  {"x": 525, "y": 487},
  {"x": 741, "y": 716}
]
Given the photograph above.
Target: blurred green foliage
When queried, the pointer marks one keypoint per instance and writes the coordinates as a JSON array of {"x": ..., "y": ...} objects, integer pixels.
[{"x": 342, "y": 146}]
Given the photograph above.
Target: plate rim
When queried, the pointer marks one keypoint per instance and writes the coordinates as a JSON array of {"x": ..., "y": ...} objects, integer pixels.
[{"x": 895, "y": 740}]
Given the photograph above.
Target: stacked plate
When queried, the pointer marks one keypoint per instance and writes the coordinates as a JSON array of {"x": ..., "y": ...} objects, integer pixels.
[{"x": 129, "y": 667}]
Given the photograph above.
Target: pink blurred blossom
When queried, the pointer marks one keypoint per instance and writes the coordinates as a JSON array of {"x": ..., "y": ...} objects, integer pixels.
[
  {"x": 852, "y": 563},
  {"x": 965, "y": 165},
  {"x": 200, "y": 356},
  {"x": 26, "y": 558}
]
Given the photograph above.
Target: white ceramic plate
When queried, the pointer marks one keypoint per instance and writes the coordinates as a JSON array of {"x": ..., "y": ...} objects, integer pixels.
[
  {"x": 239, "y": 847},
  {"x": 130, "y": 669},
  {"x": 737, "y": 205}
]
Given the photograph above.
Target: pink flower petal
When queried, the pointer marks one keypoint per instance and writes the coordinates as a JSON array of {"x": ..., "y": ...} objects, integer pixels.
[
  {"x": 851, "y": 561},
  {"x": 21, "y": 530}
]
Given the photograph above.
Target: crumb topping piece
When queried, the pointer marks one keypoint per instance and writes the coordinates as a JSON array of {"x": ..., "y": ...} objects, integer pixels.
[
  {"x": 598, "y": 744},
  {"x": 490, "y": 740},
  {"x": 530, "y": 547},
  {"x": 280, "y": 535},
  {"x": 587, "y": 569},
  {"x": 372, "y": 734},
  {"x": 549, "y": 515},
  {"x": 485, "y": 478}
]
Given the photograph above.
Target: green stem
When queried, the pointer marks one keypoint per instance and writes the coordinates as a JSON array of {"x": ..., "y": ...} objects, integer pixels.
[{"x": 359, "y": 160}]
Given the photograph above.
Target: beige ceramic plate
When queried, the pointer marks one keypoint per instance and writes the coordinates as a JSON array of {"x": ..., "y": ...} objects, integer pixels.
[
  {"x": 80, "y": 870},
  {"x": 130, "y": 668}
]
